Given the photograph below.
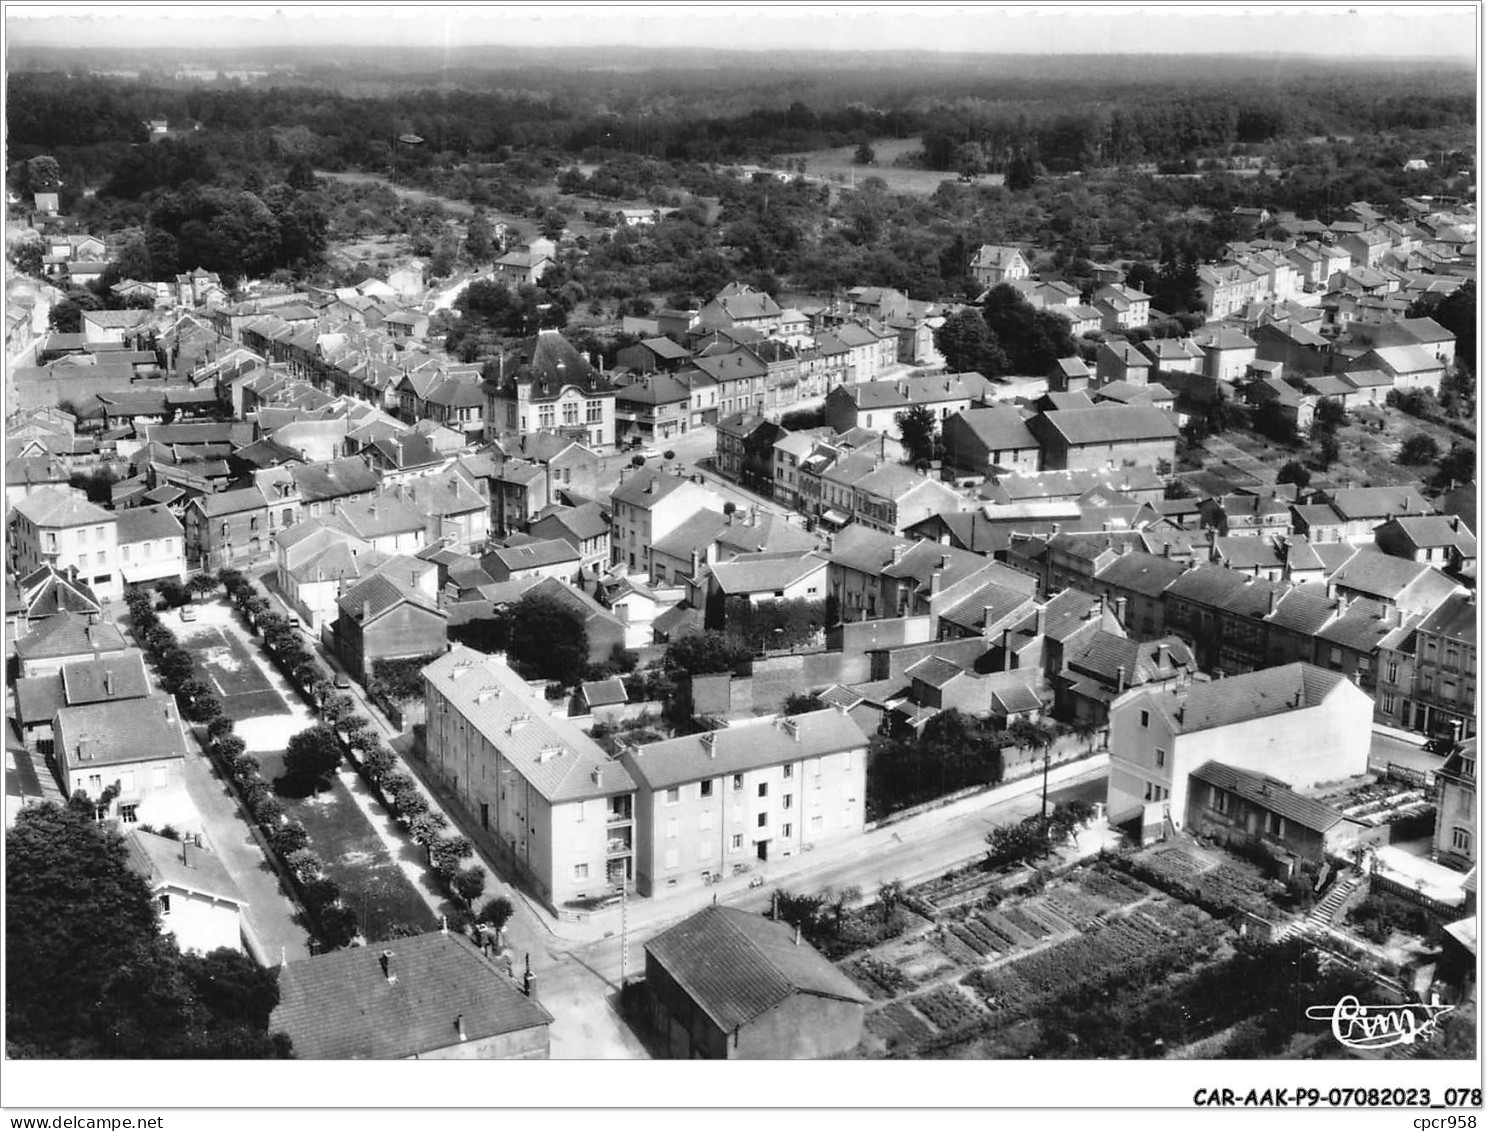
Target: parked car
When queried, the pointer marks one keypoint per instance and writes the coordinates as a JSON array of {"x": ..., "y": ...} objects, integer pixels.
[
  {"x": 342, "y": 680},
  {"x": 188, "y": 613},
  {"x": 649, "y": 453}
]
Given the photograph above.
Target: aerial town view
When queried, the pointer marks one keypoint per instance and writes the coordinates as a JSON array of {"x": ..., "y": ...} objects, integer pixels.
[{"x": 552, "y": 551}]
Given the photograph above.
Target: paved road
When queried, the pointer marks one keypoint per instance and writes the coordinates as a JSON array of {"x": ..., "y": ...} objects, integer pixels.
[
  {"x": 1386, "y": 748},
  {"x": 270, "y": 913}
]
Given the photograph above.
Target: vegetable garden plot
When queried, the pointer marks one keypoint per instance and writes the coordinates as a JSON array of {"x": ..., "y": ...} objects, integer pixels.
[
  {"x": 948, "y": 1008},
  {"x": 896, "y": 1024}
]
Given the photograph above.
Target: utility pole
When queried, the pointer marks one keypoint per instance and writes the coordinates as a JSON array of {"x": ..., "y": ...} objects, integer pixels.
[
  {"x": 624, "y": 930},
  {"x": 1045, "y": 784}
]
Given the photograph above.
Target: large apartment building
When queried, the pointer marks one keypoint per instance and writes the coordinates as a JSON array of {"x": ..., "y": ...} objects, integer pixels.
[
  {"x": 553, "y": 804},
  {"x": 711, "y": 803}
]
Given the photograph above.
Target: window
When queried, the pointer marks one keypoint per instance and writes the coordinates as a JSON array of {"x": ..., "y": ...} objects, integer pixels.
[
  {"x": 1161, "y": 757},
  {"x": 225, "y": 528},
  {"x": 816, "y": 823},
  {"x": 1220, "y": 800},
  {"x": 1145, "y": 719},
  {"x": 787, "y": 830},
  {"x": 1386, "y": 704},
  {"x": 671, "y": 829},
  {"x": 570, "y": 412},
  {"x": 737, "y": 782},
  {"x": 764, "y": 789},
  {"x": 705, "y": 788},
  {"x": 1392, "y": 672},
  {"x": 580, "y": 871},
  {"x": 165, "y": 903},
  {"x": 100, "y": 812},
  {"x": 125, "y": 551},
  {"x": 788, "y": 800},
  {"x": 594, "y": 412},
  {"x": 789, "y": 771},
  {"x": 95, "y": 783},
  {"x": 1461, "y": 840},
  {"x": 253, "y": 522},
  {"x": 128, "y": 814},
  {"x": 673, "y": 795},
  {"x": 737, "y": 841}
]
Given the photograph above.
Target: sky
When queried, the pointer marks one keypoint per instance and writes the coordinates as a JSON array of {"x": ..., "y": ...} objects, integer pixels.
[{"x": 1402, "y": 29}]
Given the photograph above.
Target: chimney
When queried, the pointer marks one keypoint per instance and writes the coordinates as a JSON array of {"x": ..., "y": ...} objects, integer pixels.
[
  {"x": 797, "y": 934},
  {"x": 387, "y": 971},
  {"x": 444, "y": 924},
  {"x": 459, "y": 1025},
  {"x": 1163, "y": 655},
  {"x": 898, "y": 554},
  {"x": 936, "y": 578},
  {"x": 366, "y": 611},
  {"x": 598, "y": 775},
  {"x": 1120, "y": 678},
  {"x": 1040, "y": 621},
  {"x": 529, "y": 981},
  {"x": 710, "y": 742},
  {"x": 1274, "y": 599}
]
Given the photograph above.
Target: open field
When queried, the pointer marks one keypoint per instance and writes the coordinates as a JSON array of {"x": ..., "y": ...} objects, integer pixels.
[
  {"x": 837, "y": 164},
  {"x": 372, "y": 883},
  {"x": 241, "y": 685}
]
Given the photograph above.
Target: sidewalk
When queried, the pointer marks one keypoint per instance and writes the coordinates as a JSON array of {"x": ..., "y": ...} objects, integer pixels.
[
  {"x": 1399, "y": 735},
  {"x": 270, "y": 914}
]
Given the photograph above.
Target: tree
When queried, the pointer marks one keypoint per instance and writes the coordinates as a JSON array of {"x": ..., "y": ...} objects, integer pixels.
[
  {"x": 548, "y": 638},
  {"x": 968, "y": 345},
  {"x": 497, "y": 912},
  {"x": 310, "y": 760},
  {"x": 1330, "y": 416},
  {"x": 703, "y": 653},
  {"x": 478, "y": 238},
  {"x": 27, "y": 255},
  {"x": 1017, "y": 844},
  {"x": 1457, "y": 466},
  {"x": 918, "y": 428},
  {"x": 890, "y": 895},
  {"x": 799, "y": 703},
  {"x": 1293, "y": 471},
  {"x": 469, "y": 883},
  {"x": 864, "y": 155},
  {"x": 89, "y": 972},
  {"x": 1328, "y": 449},
  {"x": 202, "y": 584},
  {"x": 1419, "y": 449}
]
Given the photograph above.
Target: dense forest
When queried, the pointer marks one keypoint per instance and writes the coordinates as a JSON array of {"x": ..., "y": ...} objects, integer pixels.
[{"x": 234, "y": 186}]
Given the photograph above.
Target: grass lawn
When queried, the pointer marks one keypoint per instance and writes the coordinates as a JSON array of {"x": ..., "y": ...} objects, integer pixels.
[
  {"x": 233, "y": 671},
  {"x": 371, "y": 882},
  {"x": 837, "y": 163}
]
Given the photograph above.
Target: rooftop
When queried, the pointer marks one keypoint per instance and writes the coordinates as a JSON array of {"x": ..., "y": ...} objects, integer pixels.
[{"x": 748, "y": 746}]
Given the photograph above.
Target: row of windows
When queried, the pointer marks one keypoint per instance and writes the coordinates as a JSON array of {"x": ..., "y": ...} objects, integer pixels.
[{"x": 705, "y": 788}]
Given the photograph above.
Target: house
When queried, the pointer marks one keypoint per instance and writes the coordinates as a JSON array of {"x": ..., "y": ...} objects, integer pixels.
[
  {"x": 1243, "y": 809},
  {"x": 726, "y": 984},
  {"x": 1412, "y": 586},
  {"x": 1069, "y": 375},
  {"x": 542, "y": 794},
  {"x": 989, "y": 441},
  {"x": 1227, "y": 352},
  {"x": 937, "y": 684},
  {"x": 636, "y": 605},
  {"x": 1361, "y": 510},
  {"x": 1106, "y": 437},
  {"x": 128, "y": 757},
  {"x": 387, "y": 522},
  {"x": 585, "y": 528},
  {"x": 1455, "y": 842},
  {"x": 386, "y": 618},
  {"x": 647, "y": 506},
  {"x": 760, "y": 578},
  {"x": 63, "y": 638},
  {"x": 1121, "y": 307},
  {"x": 53, "y": 528},
  {"x": 200, "y": 905},
  {"x": 1256, "y": 516},
  {"x": 651, "y": 354},
  {"x": 1173, "y": 355},
  {"x": 877, "y": 404},
  {"x": 1437, "y": 539},
  {"x": 1442, "y": 697},
  {"x": 549, "y": 386},
  {"x": 554, "y": 557},
  {"x": 116, "y": 325},
  {"x": 1409, "y": 367},
  {"x": 1134, "y": 584},
  {"x": 229, "y": 528},
  {"x": 1297, "y": 723},
  {"x": 748, "y": 794},
  {"x": 740, "y": 305},
  {"x": 106, "y": 677},
  {"x": 317, "y": 560},
  {"x": 44, "y": 592},
  {"x": 891, "y": 498},
  {"x": 1105, "y": 666},
  {"x": 1118, "y": 360},
  {"x": 152, "y": 544},
  {"x": 434, "y": 996},
  {"x": 653, "y": 409},
  {"x": 525, "y": 263},
  {"x": 993, "y": 264}
]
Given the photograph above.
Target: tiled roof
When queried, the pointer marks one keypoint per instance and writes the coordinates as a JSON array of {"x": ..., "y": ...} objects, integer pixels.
[
  {"x": 44, "y": 592},
  {"x": 369, "y": 598},
  {"x": 68, "y": 634},
  {"x": 112, "y": 732},
  {"x": 230, "y": 502},
  {"x": 582, "y": 523},
  {"x": 696, "y": 532},
  {"x": 1000, "y": 429},
  {"x": 560, "y": 761},
  {"x": 604, "y": 692},
  {"x": 47, "y": 506},
  {"x": 1113, "y": 424},
  {"x": 381, "y": 515},
  {"x": 737, "y": 966},
  {"x": 341, "y": 1006},
  {"x": 1455, "y": 618},
  {"x": 166, "y": 863},
  {"x": 334, "y": 479},
  {"x": 1270, "y": 794},
  {"x": 1139, "y": 572},
  {"x": 989, "y": 604},
  {"x": 531, "y": 555},
  {"x": 933, "y": 670},
  {"x": 145, "y": 524},
  {"x": 1435, "y": 530},
  {"x": 748, "y": 746},
  {"x": 1302, "y": 610},
  {"x": 119, "y": 675},
  {"x": 1362, "y": 626},
  {"x": 1376, "y": 574},
  {"x": 757, "y": 573},
  {"x": 1240, "y": 698}
]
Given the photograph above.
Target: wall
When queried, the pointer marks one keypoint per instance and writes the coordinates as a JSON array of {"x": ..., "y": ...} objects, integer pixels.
[
  {"x": 802, "y": 1027},
  {"x": 200, "y": 923},
  {"x": 524, "y": 1044},
  {"x": 403, "y": 632}
]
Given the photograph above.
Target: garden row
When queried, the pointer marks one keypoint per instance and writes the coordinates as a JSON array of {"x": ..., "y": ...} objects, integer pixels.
[
  {"x": 313, "y": 756},
  {"x": 1223, "y": 891}
]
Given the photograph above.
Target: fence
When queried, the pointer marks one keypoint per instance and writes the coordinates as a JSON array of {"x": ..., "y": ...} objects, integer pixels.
[
  {"x": 1382, "y": 882},
  {"x": 1409, "y": 775}
]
